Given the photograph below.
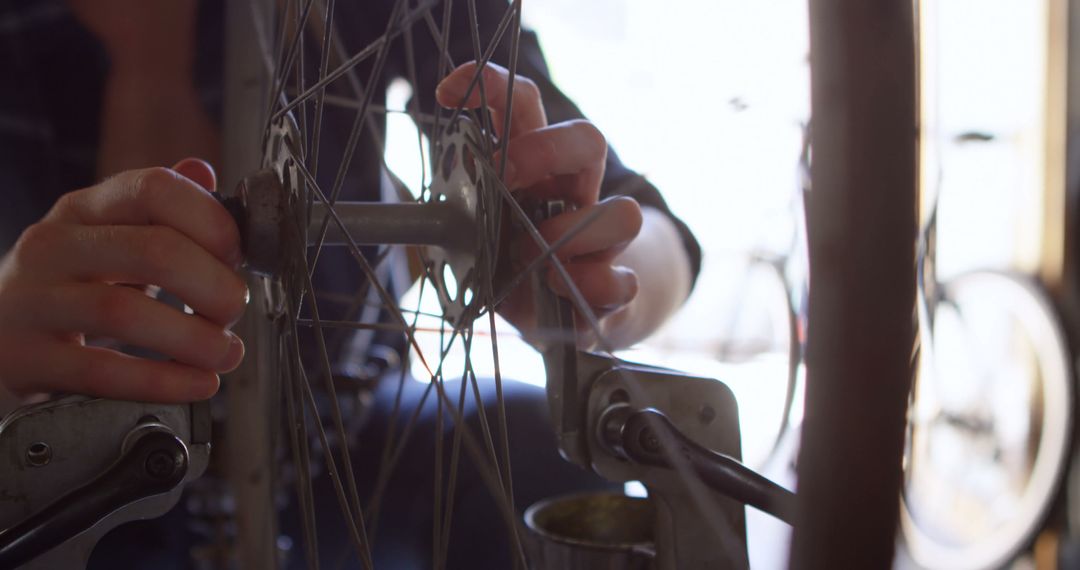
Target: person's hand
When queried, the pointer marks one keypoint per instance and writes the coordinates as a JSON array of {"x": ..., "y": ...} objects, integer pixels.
[
  {"x": 80, "y": 272},
  {"x": 551, "y": 162}
]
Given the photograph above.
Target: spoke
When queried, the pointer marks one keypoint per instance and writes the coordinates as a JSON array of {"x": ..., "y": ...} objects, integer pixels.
[
  {"x": 576, "y": 297},
  {"x": 350, "y": 147},
  {"x": 440, "y": 547},
  {"x": 444, "y": 59},
  {"x": 489, "y": 475},
  {"x": 485, "y": 115},
  {"x": 383, "y": 475},
  {"x": 544, "y": 256},
  {"x": 361, "y": 116},
  {"x": 371, "y": 49},
  {"x": 335, "y": 408},
  {"x": 259, "y": 19},
  {"x": 279, "y": 68},
  {"x": 444, "y": 47},
  {"x": 354, "y": 325},
  {"x": 281, "y": 78},
  {"x": 500, "y": 31},
  {"x": 486, "y": 448},
  {"x": 320, "y": 100},
  {"x": 390, "y": 458},
  {"x": 494, "y": 213},
  {"x": 298, "y": 440},
  {"x": 347, "y": 103},
  {"x": 355, "y": 533},
  {"x": 414, "y": 107},
  {"x": 515, "y": 40},
  {"x": 301, "y": 78},
  {"x": 490, "y": 479},
  {"x": 384, "y": 295},
  {"x": 369, "y": 273},
  {"x": 469, "y": 378},
  {"x": 436, "y": 504},
  {"x": 387, "y": 466}
]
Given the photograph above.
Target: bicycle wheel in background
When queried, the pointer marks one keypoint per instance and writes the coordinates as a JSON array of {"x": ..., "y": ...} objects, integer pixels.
[{"x": 989, "y": 424}]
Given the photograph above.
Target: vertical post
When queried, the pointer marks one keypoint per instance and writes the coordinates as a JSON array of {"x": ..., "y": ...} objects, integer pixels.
[
  {"x": 862, "y": 228},
  {"x": 1069, "y": 298},
  {"x": 252, "y": 390}
]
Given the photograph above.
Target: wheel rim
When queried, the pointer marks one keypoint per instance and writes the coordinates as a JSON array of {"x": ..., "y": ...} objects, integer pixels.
[{"x": 994, "y": 526}]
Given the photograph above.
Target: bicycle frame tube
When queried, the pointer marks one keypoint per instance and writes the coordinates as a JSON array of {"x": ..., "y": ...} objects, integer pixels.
[{"x": 250, "y": 395}]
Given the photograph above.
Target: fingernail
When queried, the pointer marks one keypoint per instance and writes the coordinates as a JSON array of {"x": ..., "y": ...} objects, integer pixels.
[
  {"x": 204, "y": 389},
  {"x": 236, "y": 258},
  {"x": 452, "y": 85},
  {"x": 442, "y": 91},
  {"x": 630, "y": 279},
  {"x": 234, "y": 355}
]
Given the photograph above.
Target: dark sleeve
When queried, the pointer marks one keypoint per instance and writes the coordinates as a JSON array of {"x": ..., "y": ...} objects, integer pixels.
[{"x": 618, "y": 179}]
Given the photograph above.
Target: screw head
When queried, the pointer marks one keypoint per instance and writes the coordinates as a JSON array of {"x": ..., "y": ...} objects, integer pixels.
[
  {"x": 706, "y": 414},
  {"x": 648, "y": 440},
  {"x": 160, "y": 464}
]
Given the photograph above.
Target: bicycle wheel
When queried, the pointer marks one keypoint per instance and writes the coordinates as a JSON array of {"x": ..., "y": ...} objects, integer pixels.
[
  {"x": 989, "y": 424},
  {"x": 329, "y": 277}
]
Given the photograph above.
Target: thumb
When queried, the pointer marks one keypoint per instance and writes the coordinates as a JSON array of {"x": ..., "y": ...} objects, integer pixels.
[{"x": 198, "y": 171}]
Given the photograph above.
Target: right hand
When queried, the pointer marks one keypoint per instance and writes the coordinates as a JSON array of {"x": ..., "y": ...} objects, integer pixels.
[{"x": 71, "y": 275}]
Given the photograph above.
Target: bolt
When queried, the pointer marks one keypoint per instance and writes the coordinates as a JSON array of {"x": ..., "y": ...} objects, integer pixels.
[
  {"x": 160, "y": 464},
  {"x": 706, "y": 414},
  {"x": 38, "y": 454},
  {"x": 648, "y": 440}
]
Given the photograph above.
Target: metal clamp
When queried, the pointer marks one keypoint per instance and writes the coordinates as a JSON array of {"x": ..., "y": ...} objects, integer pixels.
[{"x": 134, "y": 467}]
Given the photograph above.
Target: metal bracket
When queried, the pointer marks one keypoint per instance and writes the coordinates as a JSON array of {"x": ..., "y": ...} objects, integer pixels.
[
  {"x": 46, "y": 450},
  {"x": 696, "y": 527}
]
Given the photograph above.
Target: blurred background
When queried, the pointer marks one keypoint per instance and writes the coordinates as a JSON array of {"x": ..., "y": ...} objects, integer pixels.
[{"x": 710, "y": 99}]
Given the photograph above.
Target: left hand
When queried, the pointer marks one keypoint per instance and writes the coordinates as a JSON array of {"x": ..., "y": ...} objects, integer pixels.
[{"x": 552, "y": 162}]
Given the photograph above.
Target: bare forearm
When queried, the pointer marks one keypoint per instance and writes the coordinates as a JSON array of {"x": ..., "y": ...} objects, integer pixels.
[
  {"x": 151, "y": 114},
  {"x": 150, "y": 121}
]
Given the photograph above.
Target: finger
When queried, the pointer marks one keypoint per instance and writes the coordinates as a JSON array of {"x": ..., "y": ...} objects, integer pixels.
[
  {"x": 604, "y": 287},
  {"x": 144, "y": 255},
  {"x": 105, "y": 373},
  {"x": 156, "y": 196},
  {"x": 527, "y": 110},
  {"x": 601, "y": 230},
  {"x": 128, "y": 315},
  {"x": 574, "y": 148},
  {"x": 198, "y": 171}
]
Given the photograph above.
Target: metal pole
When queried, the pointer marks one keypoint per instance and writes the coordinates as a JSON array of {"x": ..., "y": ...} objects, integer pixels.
[
  {"x": 432, "y": 223},
  {"x": 252, "y": 391}
]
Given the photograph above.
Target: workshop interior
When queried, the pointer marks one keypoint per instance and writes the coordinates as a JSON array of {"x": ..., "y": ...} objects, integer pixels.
[{"x": 876, "y": 366}]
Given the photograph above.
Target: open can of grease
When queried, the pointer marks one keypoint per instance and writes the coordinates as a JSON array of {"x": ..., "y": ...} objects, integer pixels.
[{"x": 591, "y": 531}]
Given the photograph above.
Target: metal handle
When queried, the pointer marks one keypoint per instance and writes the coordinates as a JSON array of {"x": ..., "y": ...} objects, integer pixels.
[
  {"x": 648, "y": 437},
  {"x": 156, "y": 463}
]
